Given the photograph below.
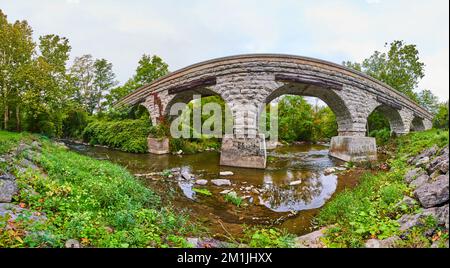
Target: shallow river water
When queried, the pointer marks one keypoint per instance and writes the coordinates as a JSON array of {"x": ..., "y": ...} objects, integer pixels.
[{"x": 288, "y": 194}]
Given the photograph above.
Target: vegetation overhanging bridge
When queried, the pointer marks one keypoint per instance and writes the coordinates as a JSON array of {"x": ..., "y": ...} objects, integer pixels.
[{"x": 247, "y": 81}]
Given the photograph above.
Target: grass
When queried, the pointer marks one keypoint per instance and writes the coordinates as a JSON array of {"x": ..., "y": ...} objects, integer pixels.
[
  {"x": 202, "y": 191},
  {"x": 369, "y": 211},
  {"x": 234, "y": 199},
  {"x": 96, "y": 202},
  {"x": 268, "y": 238}
]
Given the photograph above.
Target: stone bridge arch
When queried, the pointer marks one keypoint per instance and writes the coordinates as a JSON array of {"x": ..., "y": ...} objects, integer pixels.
[{"x": 246, "y": 82}]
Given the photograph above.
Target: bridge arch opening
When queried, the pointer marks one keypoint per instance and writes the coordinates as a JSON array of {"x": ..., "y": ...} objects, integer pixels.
[
  {"x": 384, "y": 119},
  {"x": 322, "y": 100},
  {"x": 417, "y": 124}
]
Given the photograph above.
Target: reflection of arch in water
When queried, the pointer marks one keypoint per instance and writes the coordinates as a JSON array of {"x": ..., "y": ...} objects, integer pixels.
[{"x": 312, "y": 193}]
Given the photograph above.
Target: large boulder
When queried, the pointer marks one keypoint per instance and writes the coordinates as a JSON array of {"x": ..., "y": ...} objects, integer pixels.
[
  {"x": 419, "y": 181},
  {"x": 433, "y": 193},
  {"x": 413, "y": 174},
  {"x": 409, "y": 221},
  {"x": 389, "y": 242},
  {"x": 428, "y": 153},
  {"x": 8, "y": 188},
  {"x": 439, "y": 163},
  {"x": 311, "y": 240}
]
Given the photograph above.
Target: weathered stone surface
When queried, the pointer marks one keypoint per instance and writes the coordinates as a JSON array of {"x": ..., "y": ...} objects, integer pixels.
[
  {"x": 407, "y": 201},
  {"x": 385, "y": 243},
  {"x": 72, "y": 243},
  {"x": 158, "y": 146},
  {"x": 7, "y": 176},
  {"x": 409, "y": 221},
  {"x": 243, "y": 152},
  {"x": 15, "y": 211},
  {"x": 413, "y": 174},
  {"x": 22, "y": 147},
  {"x": 311, "y": 240},
  {"x": 25, "y": 163},
  {"x": 201, "y": 182},
  {"x": 355, "y": 149},
  {"x": 8, "y": 188},
  {"x": 221, "y": 182},
  {"x": 186, "y": 175},
  {"x": 433, "y": 193},
  {"x": 425, "y": 154},
  {"x": 420, "y": 181}
]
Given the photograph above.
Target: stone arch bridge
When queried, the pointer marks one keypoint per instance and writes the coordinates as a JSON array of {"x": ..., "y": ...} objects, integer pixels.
[{"x": 256, "y": 79}]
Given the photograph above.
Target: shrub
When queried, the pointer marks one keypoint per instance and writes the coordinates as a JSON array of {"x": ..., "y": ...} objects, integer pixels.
[
  {"x": 382, "y": 136},
  {"x": 128, "y": 135}
]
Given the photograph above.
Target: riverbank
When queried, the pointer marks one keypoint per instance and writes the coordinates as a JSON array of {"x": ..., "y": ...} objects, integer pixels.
[
  {"x": 54, "y": 196},
  {"x": 406, "y": 205}
]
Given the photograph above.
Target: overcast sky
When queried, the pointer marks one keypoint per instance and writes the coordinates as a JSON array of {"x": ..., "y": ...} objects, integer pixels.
[{"x": 186, "y": 32}]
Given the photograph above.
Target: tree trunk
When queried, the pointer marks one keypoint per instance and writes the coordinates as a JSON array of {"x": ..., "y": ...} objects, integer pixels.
[
  {"x": 6, "y": 117},
  {"x": 17, "y": 118}
]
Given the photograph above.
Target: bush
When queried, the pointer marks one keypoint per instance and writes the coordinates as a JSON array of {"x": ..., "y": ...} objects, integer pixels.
[
  {"x": 382, "y": 136},
  {"x": 129, "y": 135},
  {"x": 74, "y": 123}
]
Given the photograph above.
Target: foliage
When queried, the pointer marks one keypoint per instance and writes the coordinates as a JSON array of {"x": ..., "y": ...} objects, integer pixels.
[
  {"x": 268, "y": 238},
  {"x": 74, "y": 122},
  {"x": 96, "y": 202},
  {"x": 441, "y": 118},
  {"x": 399, "y": 67},
  {"x": 377, "y": 121},
  {"x": 382, "y": 136},
  {"x": 369, "y": 210},
  {"x": 149, "y": 69},
  {"x": 234, "y": 199},
  {"x": 202, "y": 191},
  {"x": 129, "y": 135},
  {"x": 428, "y": 100}
]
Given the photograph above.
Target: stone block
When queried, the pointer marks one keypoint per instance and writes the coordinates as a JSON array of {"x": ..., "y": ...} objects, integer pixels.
[
  {"x": 158, "y": 145},
  {"x": 355, "y": 149},
  {"x": 243, "y": 152}
]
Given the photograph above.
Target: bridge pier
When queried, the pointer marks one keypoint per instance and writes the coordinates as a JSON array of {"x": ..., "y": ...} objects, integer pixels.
[
  {"x": 243, "y": 151},
  {"x": 353, "y": 148}
]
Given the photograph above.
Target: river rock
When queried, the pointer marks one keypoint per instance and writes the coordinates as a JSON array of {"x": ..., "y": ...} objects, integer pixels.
[
  {"x": 422, "y": 161},
  {"x": 72, "y": 243},
  {"x": 297, "y": 182},
  {"x": 15, "y": 211},
  {"x": 385, "y": 243},
  {"x": 311, "y": 240},
  {"x": 8, "y": 188},
  {"x": 225, "y": 192},
  {"x": 329, "y": 170},
  {"x": 409, "y": 221},
  {"x": 407, "y": 201},
  {"x": 426, "y": 153},
  {"x": 226, "y": 173},
  {"x": 36, "y": 146},
  {"x": 413, "y": 174},
  {"x": 422, "y": 179},
  {"x": 186, "y": 175},
  {"x": 7, "y": 176},
  {"x": 221, "y": 182},
  {"x": 22, "y": 147},
  {"x": 433, "y": 193},
  {"x": 201, "y": 182}
]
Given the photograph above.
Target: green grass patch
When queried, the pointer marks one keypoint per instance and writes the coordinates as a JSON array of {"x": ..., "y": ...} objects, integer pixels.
[
  {"x": 202, "y": 191},
  {"x": 234, "y": 199},
  {"x": 96, "y": 202},
  {"x": 268, "y": 238},
  {"x": 369, "y": 210}
]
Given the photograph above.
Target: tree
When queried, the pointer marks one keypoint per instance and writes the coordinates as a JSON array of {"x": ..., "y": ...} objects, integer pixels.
[
  {"x": 429, "y": 101},
  {"x": 82, "y": 79},
  {"x": 399, "y": 67},
  {"x": 148, "y": 70},
  {"x": 441, "y": 118},
  {"x": 104, "y": 81},
  {"x": 16, "y": 52},
  {"x": 295, "y": 119}
]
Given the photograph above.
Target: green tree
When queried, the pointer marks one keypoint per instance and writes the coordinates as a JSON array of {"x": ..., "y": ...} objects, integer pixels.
[
  {"x": 104, "y": 81},
  {"x": 148, "y": 70},
  {"x": 16, "y": 54},
  {"x": 441, "y": 118},
  {"x": 399, "y": 67},
  {"x": 82, "y": 79},
  {"x": 429, "y": 101},
  {"x": 295, "y": 119}
]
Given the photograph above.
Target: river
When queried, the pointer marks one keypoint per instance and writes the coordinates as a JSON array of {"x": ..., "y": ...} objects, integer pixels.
[{"x": 288, "y": 194}]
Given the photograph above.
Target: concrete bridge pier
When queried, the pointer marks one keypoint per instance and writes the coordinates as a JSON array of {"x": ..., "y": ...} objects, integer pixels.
[{"x": 353, "y": 148}]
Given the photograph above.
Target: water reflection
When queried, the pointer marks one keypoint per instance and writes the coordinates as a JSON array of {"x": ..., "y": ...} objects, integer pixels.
[{"x": 301, "y": 165}]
